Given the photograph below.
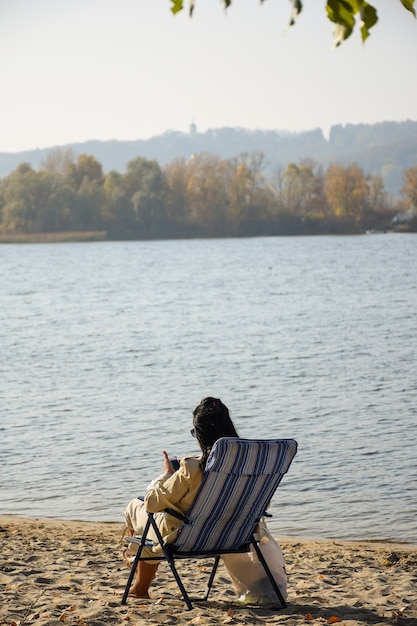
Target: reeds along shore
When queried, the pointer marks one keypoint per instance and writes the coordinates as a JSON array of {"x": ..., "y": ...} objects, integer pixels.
[{"x": 54, "y": 571}]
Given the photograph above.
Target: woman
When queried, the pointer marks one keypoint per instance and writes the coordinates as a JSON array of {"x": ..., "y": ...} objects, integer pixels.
[{"x": 211, "y": 420}]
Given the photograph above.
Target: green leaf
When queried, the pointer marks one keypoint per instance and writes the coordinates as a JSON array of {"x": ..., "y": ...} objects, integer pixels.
[
  {"x": 342, "y": 13},
  {"x": 409, "y": 4},
  {"x": 340, "y": 33},
  {"x": 369, "y": 18},
  {"x": 297, "y": 7},
  {"x": 177, "y": 6}
]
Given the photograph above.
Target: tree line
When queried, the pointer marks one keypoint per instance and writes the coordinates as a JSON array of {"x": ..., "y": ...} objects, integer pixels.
[{"x": 203, "y": 196}]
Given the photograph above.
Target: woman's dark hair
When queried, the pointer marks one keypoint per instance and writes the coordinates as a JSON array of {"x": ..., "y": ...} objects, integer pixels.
[{"x": 211, "y": 420}]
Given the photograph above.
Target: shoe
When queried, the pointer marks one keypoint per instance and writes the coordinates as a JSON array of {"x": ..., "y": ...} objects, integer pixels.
[{"x": 256, "y": 600}]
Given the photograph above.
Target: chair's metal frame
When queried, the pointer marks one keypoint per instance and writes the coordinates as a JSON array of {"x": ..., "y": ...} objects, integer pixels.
[{"x": 171, "y": 552}]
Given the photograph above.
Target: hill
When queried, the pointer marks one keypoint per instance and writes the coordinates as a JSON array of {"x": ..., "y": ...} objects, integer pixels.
[{"x": 386, "y": 149}]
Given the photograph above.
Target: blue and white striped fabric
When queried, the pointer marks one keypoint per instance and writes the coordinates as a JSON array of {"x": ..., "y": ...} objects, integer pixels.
[{"x": 240, "y": 479}]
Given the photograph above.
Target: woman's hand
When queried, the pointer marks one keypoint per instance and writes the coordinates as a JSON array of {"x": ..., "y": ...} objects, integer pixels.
[{"x": 167, "y": 464}]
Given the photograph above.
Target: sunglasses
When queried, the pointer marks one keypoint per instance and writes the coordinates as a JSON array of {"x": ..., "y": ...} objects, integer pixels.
[{"x": 192, "y": 431}]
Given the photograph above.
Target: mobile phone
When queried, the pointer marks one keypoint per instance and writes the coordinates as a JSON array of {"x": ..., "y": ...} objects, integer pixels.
[{"x": 175, "y": 464}]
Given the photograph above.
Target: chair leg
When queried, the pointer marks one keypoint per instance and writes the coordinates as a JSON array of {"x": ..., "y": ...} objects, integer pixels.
[
  {"x": 180, "y": 584},
  {"x": 171, "y": 562},
  {"x": 211, "y": 579},
  {"x": 131, "y": 576},
  {"x": 269, "y": 574}
]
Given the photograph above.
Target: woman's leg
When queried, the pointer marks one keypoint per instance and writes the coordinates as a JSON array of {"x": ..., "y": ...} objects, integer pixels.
[
  {"x": 136, "y": 518},
  {"x": 145, "y": 573}
]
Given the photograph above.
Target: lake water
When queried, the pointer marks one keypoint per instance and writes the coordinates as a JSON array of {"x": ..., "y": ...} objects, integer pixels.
[{"x": 107, "y": 347}]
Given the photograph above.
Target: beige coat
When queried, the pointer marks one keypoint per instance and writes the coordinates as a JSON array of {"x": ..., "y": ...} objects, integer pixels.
[{"x": 176, "y": 491}]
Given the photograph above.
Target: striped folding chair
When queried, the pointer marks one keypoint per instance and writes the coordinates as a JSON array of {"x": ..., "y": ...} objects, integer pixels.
[{"x": 239, "y": 482}]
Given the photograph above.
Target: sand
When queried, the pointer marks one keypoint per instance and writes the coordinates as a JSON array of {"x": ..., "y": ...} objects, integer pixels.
[{"x": 56, "y": 571}]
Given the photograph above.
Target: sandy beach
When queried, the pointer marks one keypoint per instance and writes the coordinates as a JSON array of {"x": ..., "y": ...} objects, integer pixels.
[{"x": 56, "y": 571}]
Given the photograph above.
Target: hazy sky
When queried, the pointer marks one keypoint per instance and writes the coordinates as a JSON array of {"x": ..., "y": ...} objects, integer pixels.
[{"x": 74, "y": 70}]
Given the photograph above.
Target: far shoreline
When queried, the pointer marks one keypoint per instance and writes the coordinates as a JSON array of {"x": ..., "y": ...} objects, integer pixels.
[
  {"x": 102, "y": 236},
  {"x": 64, "y": 237}
]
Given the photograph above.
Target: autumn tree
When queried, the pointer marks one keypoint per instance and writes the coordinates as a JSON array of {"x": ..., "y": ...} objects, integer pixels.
[
  {"x": 59, "y": 161},
  {"x": 301, "y": 202},
  {"x": 298, "y": 188},
  {"x": 177, "y": 174},
  {"x": 85, "y": 177},
  {"x": 409, "y": 189},
  {"x": 86, "y": 169},
  {"x": 250, "y": 195},
  {"x": 346, "y": 190},
  {"x": 116, "y": 211},
  {"x": 24, "y": 193},
  {"x": 208, "y": 180},
  {"x": 145, "y": 189},
  {"x": 379, "y": 209}
]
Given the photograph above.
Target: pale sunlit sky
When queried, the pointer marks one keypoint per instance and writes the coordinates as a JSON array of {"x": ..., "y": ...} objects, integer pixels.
[{"x": 75, "y": 70}]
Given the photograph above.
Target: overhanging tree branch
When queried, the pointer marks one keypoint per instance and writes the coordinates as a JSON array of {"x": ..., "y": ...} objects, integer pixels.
[{"x": 343, "y": 13}]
